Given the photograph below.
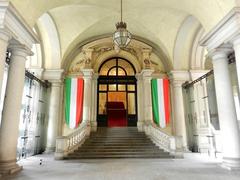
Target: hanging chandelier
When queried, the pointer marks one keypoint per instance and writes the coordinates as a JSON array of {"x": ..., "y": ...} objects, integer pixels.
[{"x": 121, "y": 36}]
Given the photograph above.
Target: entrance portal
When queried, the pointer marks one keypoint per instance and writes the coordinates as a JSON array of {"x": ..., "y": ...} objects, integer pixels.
[{"x": 117, "y": 92}]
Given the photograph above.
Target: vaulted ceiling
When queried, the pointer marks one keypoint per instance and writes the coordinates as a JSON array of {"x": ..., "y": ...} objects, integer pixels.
[{"x": 157, "y": 21}]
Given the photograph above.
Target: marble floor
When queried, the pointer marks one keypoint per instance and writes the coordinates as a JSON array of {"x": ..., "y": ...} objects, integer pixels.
[{"x": 192, "y": 167}]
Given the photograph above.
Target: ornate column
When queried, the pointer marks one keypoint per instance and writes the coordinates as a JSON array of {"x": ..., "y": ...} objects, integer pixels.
[
  {"x": 94, "y": 103},
  {"x": 87, "y": 99},
  {"x": 226, "y": 109},
  {"x": 55, "y": 107},
  {"x": 179, "y": 124},
  {"x": 146, "y": 96},
  {"x": 11, "y": 110},
  {"x": 4, "y": 38}
]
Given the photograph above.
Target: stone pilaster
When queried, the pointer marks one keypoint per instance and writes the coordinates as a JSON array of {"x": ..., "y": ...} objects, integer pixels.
[
  {"x": 55, "y": 107},
  {"x": 140, "y": 115},
  {"x": 87, "y": 100},
  {"x": 146, "y": 96},
  {"x": 177, "y": 79},
  {"x": 94, "y": 103},
  {"x": 54, "y": 116}
]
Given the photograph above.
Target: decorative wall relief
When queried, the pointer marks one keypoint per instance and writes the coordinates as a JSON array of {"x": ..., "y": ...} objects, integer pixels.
[{"x": 76, "y": 67}]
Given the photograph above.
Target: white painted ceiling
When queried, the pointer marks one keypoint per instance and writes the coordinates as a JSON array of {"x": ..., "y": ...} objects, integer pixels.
[{"x": 158, "y": 21}]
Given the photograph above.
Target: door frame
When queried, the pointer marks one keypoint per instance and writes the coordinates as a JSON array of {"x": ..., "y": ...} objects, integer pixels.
[{"x": 118, "y": 80}]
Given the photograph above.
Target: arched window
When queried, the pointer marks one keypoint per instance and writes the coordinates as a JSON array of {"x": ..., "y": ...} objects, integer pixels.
[{"x": 117, "y": 67}]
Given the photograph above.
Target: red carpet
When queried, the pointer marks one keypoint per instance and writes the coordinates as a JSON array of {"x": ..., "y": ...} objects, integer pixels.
[{"x": 116, "y": 114}]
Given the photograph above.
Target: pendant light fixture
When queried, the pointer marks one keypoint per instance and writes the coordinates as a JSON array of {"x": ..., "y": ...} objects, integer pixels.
[{"x": 121, "y": 36}]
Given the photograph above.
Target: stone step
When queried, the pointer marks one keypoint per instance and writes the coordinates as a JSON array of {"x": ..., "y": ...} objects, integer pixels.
[
  {"x": 118, "y": 143},
  {"x": 94, "y": 146},
  {"x": 118, "y": 132},
  {"x": 118, "y": 136},
  {"x": 120, "y": 153},
  {"x": 119, "y": 156},
  {"x": 120, "y": 150},
  {"x": 121, "y": 137},
  {"x": 123, "y": 152},
  {"x": 133, "y": 148}
]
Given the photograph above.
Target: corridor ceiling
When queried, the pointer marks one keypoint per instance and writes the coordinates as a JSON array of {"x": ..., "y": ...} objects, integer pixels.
[{"x": 157, "y": 21}]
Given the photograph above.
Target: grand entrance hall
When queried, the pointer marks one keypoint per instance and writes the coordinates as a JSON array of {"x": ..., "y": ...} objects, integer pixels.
[{"x": 145, "y": 89}]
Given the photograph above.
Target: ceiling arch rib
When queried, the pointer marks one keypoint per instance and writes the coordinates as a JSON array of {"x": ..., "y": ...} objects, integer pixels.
[
  {"x": 103, "y": 46},
  {"x": 197, "y": 57},
  {"x": 50, "y": 42},
  {"x": 182, "y": 52},
  {"x": 106, "y": 41}
]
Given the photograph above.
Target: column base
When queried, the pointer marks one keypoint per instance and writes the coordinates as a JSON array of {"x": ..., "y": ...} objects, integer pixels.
[
  {"x": 9, "y": 167},
  {"x": 49, "y": 150},
  {"x": 231, "y": 163},
  {"x": 140, "y": 125},
  {"x": 178, "y": 154},
  {"x": 59, "y": 156},
  {"x": 93, "y": 126},
  {"x": 186, "y": 149}
]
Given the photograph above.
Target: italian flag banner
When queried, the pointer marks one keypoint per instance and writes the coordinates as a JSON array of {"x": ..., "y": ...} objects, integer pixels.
[
  {"x": 161, "y": 101},
  {"x": 74, "y": 101}
]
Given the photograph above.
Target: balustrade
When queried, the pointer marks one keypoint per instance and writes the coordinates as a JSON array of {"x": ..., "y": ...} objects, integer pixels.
[
  {"x": 67, "y": 144},
  {"x": 172, "y": 144}
]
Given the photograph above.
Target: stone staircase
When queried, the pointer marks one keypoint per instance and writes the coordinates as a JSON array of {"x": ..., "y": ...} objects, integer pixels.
[{"x": 118, "y": 143}]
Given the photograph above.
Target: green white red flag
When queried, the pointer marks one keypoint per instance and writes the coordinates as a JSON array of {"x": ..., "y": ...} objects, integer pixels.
[
  {"x": 74, "y": 88},
  {"x": 161, "y": 101}
]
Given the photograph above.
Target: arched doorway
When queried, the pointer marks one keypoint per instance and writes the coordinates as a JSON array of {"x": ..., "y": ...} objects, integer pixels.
[{"x": 117, "y": 94}]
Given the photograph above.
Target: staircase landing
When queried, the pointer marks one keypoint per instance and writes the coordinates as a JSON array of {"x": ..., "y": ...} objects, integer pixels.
[{"x": 121, "y": 142}]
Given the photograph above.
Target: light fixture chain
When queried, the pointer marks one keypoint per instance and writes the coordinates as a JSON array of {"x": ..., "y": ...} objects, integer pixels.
[
  {"x": 121, "y": 37},
  {"x": 121, "y": 10}
]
